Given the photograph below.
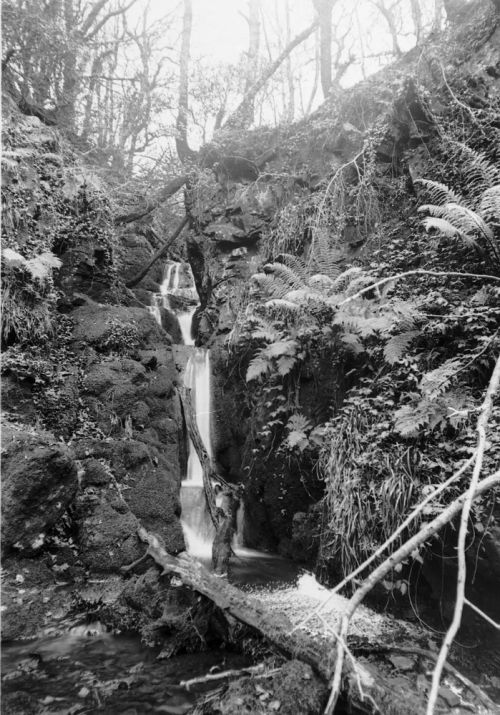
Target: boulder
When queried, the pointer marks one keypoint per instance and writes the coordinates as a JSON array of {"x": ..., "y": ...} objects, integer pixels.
[
  {"x": 39, "y": 482},
  {"x": 107, "y": 532},
  {"x": 108, "y": 328}
]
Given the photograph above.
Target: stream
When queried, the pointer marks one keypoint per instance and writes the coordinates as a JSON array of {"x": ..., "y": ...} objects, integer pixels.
[{"x": 84, "y": 668}]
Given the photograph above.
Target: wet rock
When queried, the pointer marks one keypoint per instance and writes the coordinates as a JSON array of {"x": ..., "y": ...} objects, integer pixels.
[
  {"x": 136, "y": 254},
  {"x": 39, "y": 482},
  {"x": 170, "y": 323},
  {"x": 94, "y": 473},
  {"x": 107, "y": 533},
  {"x": 109, "y": 327},
  {"x": 149, "y": 483}
]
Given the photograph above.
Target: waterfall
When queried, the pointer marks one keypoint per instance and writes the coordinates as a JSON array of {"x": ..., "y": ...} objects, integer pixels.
[{"x": 178, "y": 294}]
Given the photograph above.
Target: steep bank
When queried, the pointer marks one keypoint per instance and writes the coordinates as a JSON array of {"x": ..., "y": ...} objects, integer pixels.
[
  {"x": 89, "y": 382},
  {"x": 336, "y": 421}
]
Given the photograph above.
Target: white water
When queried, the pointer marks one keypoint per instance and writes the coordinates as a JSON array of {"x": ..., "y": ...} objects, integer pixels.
[
  {"x": 178, "y": 282},
  {"x": 178, "y": 294}
]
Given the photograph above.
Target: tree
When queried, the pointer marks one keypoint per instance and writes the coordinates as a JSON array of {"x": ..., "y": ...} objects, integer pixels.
[
  {"x": 181, "y": 141},
  {"x": 324, "y": 9},
  {"x": 388, "y": 13}
]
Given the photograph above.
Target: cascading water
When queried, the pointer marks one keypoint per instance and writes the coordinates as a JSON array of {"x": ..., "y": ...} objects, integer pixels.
[{"x": 178, "y": 294}]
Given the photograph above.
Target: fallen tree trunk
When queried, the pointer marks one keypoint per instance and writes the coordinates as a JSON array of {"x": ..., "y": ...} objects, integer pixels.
[
  {"x": 159, "y": 254},
  {"x": 170, "y": 189},
  {"x": 365, "y": 687},
  {"x": 222, "y": 507}
]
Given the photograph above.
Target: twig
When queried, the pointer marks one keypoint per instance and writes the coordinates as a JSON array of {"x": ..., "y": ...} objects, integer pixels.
[
  {"x": 482, "y": 614},
  {"x": 397, "y": 557},
  {"x": 482, "y": 425},
  {"x": 255, "y": 670}
]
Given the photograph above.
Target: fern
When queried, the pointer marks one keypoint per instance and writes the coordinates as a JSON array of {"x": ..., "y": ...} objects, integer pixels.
[
  {"x": 258, "y": 367},
  {"x": 298, "y": 426},
  {"x": 280, "y": 348},
  {"x": 353, "y": 343},
  {"x": 298, "y": 422},
  {"x": 285, "y": 364},
  {"x": 397, "y": 345},
  {"x": 439, "y": 193},
  {"x": 472, "y": 219},
  {"x": 436, "y": 381},
  {"x": 40, "y": 266},
  {"x": 409, "y": 419},
  {"x": 489, "y": 206}
]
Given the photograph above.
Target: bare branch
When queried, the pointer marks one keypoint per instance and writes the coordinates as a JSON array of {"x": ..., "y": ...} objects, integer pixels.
[{"x": 482, "y": 425}]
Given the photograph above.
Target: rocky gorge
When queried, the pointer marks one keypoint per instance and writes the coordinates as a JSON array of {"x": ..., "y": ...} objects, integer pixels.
[{"x": 95, "y": 438}]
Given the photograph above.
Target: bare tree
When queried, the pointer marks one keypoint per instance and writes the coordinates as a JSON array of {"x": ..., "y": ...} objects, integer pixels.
[
  {"x": 387, "y": 10},
  {"x": 324, "y": 9},
  {"x": 181, "y": 141}
]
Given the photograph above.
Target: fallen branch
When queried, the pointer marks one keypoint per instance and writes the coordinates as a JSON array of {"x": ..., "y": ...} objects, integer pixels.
[
  {"x": 209, "y": 473},
  {"x": 396, "y": 558},
  {"x": 276, "y": 629},
  {"x": 482, "y": 425},
  {"x": 482, "y": 614},
  {"x": 159, "y": 254},
  {"x": 383, "y": 547},
  {"x": 170, "y": 189},
  {"x": 254, "y": 670},
  {"x": 223, "y": 516}
]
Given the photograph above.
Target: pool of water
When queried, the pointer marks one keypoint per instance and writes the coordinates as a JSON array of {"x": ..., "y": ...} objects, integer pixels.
[
  {"x": 85, "y": 669},
  {"x": 88, "y": 670}
]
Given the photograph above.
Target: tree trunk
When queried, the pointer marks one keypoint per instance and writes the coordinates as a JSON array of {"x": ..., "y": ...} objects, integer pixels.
[
  {"x": 239, "y": 118},
  {"x": 276, "y": 628},
  {"x": 159, "y": 254},
  {"x": 324, "y": 9},
  {"x": 253, "y": 51},
  {"x": 223, "y": 515},
  {"x": 387, "y": 13},
  {"x": 170, "y": 189},
  {"x": 183, "y": 151},
  {"x": 416, "y": 13}
]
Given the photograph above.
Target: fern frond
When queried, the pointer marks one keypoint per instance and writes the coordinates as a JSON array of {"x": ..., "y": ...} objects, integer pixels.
[
  {"x": 468, "y": 220},
  {"x": 436, "y": 381},
  {"x": 439, "y": 193},
  {"x": 443, "y": 226},
  {"x": 481, "y": 173},
  {"x": 489, "y": 207},
  {"x": 407, "y": 315},
  {"x": 295, "y": 263},
  {"x": 258, "y": 367},
  {"x": 282, "y": 347},
  {"x": 325, "y": 258},
  {"x": 410, "y": 418},
  {"x": 364, "y": 325},
  {"x": 298, "y": 422},
  {"x": 352, "y": 343},
  {"x": 345, "y": 277},
  {"x": 286, "y": 279},
  {"x": 397, "y": 345},
  {"x": 285, "y": 364}
]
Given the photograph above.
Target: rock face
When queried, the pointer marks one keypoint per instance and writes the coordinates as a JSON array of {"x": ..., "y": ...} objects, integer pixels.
[
  {"x": 131, "y": 396},
  {"x": 39, "y": 482}
]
